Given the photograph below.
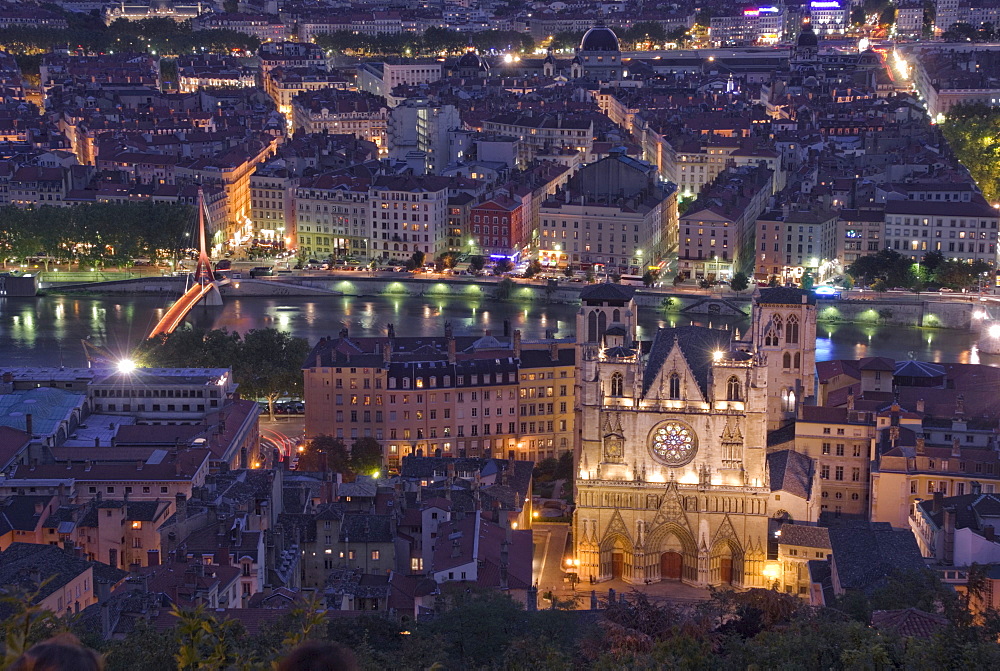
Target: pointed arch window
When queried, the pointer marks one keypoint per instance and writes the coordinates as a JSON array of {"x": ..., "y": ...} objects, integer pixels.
[
  {"x": 674, "y": 391},
  {"x": 792, "y": 331},
  {"x": 617, "y": 385},
  {"x": 798, "y": 360},
  {"x": 592, "y": 326},
  {"x": 733, "y": 389},
  {"x": 786, "y": 360}
]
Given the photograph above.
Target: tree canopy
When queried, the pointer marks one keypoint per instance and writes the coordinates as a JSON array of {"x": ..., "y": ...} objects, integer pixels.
[
  {"x": 102, "y": 234},
  {"x": 973, "y": 133},
  {"x": 266, "y": 363},
  {"x": 477, "y": 629}
]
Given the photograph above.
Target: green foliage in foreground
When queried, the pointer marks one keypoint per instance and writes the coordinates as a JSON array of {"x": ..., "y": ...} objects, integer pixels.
[
  {"x": 757, "y": 629},
  {"x": 973, "y": 133}
]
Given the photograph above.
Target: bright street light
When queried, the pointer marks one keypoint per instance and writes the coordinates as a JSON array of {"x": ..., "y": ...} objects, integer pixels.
[{"x": 126, "y": 366}]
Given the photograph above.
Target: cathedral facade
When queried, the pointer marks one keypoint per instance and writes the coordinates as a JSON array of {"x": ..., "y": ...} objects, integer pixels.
[{"x": 673, "y": 477}]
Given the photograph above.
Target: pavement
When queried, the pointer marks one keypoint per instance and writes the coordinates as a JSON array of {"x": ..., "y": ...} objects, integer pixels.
[{"x": 283, "y": 433}]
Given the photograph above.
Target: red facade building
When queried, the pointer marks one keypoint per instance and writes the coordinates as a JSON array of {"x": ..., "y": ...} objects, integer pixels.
[{"x": 497, "y": 226}]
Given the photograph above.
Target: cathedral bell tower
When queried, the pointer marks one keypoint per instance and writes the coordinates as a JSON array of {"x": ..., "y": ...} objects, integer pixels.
[{"x": 784, "y": 336}]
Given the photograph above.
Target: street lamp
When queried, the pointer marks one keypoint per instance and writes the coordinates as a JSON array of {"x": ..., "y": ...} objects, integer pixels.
[{"x": 771, "y": 571}]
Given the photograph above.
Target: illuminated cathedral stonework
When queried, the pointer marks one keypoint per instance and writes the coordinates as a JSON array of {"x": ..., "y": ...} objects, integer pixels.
[{"x": 672, "y": 467}]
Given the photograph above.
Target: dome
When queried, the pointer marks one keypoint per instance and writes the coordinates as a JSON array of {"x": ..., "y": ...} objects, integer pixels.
[
  {"x": 807, "y": 38},
  {"x": 470, "y": 59},
  {"x": 599, "y": 38}
]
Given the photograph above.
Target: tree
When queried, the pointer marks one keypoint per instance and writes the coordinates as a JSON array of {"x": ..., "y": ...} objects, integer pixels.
[
  {"x": 806, "y": 282},
  {"x": 858, "y": 16},
  {"x": 650, "y": 277},
  {"x": 502, "y": 266},
  {"x": 678, "y": 279},
  {"x": 416, "y": 260},
  {"x": 879, "y": 285},
  {"x": 739, "y": 282},
  {"x": 773, "y": 281},
  {"x": 366, "y": 456},
  {"x": 270, "y": 365},
  {"x": 325, "y": 453},
  {"x": 445, "y": 261},
  {"x": 505, "y": 288},
  {"x": 534, "y": 267},
  {"x": 477, "y": 263},
  {"x": 568, "y": 271}
]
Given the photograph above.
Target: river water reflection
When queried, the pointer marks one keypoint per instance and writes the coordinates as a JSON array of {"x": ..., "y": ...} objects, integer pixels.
[{"x": 48, "y": 330}]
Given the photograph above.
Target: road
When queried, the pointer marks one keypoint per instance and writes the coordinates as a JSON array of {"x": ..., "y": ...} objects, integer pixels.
[
  {"x": 550, "y": 554},
  {"x": 281, "y": 434}
]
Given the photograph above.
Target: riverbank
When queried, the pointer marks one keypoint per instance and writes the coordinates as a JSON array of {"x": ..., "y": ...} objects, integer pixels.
[{"x": 890, "y": 309}]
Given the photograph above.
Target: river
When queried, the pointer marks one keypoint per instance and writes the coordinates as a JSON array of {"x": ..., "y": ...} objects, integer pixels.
[{"x": 48, "y": 330}]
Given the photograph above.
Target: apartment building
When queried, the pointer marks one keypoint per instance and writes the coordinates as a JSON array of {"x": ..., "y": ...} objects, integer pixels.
[
  {"x": 231, "y": 171},
  {"x": 420, "y": 132},
  {"x": 265, "y": 27},
  {"x": 857, "y": 233},
  {"x": 272, "y": 55},
  {"x": 542, "y": 132},
  {"x": 716, "y": 231},
  {"x": 273, "y": 206},
  {"x": 790, "y": 242},
  {"x": 283, "y": 84},
  {"x": 749, "y": 27},
  {"x": 839, "y": 441},
  {"x": 497, "y": 227},
  {"x": 331, "y": 216},
  {"x": 409, "y": 214},
  {"x": 613, "y": 213},
  {"x": 451, "y": 396},
  {"x": 381, "y": 78},
  {"x": 966, "y": 231},
  {"x": 329, "y": 110}
]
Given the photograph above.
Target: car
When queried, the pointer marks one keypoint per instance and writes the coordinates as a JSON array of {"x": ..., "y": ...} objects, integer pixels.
[{"x": 946, "y": 290}]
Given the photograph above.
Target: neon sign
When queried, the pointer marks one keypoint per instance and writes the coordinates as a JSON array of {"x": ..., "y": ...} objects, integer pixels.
[
  {"x": 824, "y": 4},
  {"x": 760, "y": 10}
]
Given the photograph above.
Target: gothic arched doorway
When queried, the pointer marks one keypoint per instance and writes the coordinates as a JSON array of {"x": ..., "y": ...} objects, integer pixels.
[
  {"x": 671, "y": 566},
  {"x": 726, "y": 564},
  {"x": 673, "y": 553},
  {"x": 617, "y": 558}
]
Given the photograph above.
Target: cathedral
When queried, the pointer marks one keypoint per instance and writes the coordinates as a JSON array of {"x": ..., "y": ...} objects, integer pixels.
[{"x": 674, "y": 480}]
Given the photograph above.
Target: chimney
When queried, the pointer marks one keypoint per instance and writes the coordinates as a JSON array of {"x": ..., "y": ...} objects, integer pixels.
[
  {"x": 386, "y": 352},
  {"x": 850, "y": 402},
  {"x": 989, "y": 533},
  {"x": 180, "y": 506},
  {"x": 106, "y": 621},
  {"x": 956, "y": 448},
  {"x": 960, "y": 404},
  {"x": 554, "y": 351},
  {"x": 938, "y": 498},
  {"x": 29, "y": 425},
  {"x": 86, "y": 466},
  {"x": 452, "y": 350},
  {"x": 138, "y": 465},
  {"x": 948, "y": 524},
  {"x": 920, "y": 445},
  {"x": 920, "y": 405},
  {"x": 517, "y": 343},
  {"x": 97, "y": 441}
]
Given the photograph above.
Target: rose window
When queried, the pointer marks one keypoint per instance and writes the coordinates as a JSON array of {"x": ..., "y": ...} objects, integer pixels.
[{"x": 673, "y": 443}]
